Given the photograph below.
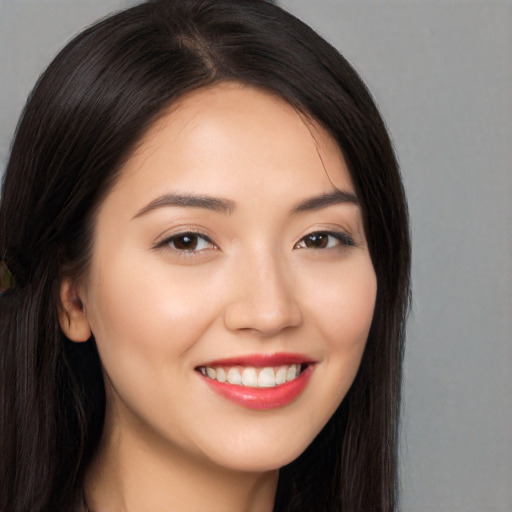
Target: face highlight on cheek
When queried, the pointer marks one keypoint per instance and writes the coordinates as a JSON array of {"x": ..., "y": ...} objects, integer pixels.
[{"x": 219, "y": 269}]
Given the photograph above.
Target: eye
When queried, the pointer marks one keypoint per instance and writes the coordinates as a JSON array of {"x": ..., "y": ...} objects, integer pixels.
[
  {"x": 188, "y": 242},
  {"x": 324, "y": 240}
]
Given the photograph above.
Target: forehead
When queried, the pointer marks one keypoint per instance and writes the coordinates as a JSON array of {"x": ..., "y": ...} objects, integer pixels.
[{"x": 228, "y": 137}]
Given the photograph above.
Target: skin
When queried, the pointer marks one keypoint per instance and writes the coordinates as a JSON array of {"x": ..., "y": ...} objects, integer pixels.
[{"x": 170, "y": 443}]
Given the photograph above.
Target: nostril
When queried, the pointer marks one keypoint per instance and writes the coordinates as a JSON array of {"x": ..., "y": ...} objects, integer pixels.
[{"x": 264, "y": 315}]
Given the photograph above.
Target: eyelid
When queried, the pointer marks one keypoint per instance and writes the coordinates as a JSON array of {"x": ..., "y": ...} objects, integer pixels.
[
  {"x": 166, "y": 241},
  {"x": 344, "y": 238},
  {"x": 183, "y": 228}
]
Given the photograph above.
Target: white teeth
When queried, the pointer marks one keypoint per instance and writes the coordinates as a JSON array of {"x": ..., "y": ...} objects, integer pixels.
[
  {"x": 281, "y": 375},
  {"x": 234, "y": 376},
  {"x": 292, "y": 372},
  {"x": 267, "y": 377},
  {"x": 221, "y": 375},
  {"x": 250, "y": 377}
]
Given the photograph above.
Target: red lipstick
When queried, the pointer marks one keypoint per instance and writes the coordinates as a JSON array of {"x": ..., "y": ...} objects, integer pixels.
[
  {"x": 261, "y": 360},
  {"x": 261, "y": 398}
]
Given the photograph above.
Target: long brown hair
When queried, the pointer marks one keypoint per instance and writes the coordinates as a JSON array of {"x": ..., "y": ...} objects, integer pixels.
[{"x": 86, "y": 113}]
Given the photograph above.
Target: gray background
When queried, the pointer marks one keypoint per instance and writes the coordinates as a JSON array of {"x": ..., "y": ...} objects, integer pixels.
[{"x": 441, "y": 72}]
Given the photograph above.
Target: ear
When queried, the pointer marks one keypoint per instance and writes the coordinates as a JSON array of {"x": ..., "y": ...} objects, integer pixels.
[{"x": 72, "y": 316}]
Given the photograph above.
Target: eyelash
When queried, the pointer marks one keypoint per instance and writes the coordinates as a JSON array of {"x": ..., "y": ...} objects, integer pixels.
[
  {"x": 192, "y": 236},
  {"x": 343, "y": 238},
  {"x": 346, "y": 240}
]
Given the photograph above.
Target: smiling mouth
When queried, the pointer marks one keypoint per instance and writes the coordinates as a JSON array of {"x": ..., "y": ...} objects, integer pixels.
[
  {"x": 259, "y": 381},
  {"x": 252, "y": 376}
]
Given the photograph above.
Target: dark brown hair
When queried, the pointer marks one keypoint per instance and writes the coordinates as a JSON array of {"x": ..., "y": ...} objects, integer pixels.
[{"x": 86, "y": 113}]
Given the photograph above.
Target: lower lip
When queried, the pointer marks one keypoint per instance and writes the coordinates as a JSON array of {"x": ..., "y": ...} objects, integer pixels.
[{"x": 262, "y": 398}]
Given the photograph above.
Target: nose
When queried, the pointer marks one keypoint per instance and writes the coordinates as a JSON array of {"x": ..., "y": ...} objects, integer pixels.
[{"x": 264, "y": 299}]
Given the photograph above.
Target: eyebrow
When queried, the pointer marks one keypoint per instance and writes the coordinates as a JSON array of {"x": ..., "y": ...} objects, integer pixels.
[
  {"x": 227, "y": 206},
  {"x": 326, "y": 200},
  {"x": 191, "y": 201}
]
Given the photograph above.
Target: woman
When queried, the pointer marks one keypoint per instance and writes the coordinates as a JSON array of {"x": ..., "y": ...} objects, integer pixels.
[{"x": 207, "y": 235}]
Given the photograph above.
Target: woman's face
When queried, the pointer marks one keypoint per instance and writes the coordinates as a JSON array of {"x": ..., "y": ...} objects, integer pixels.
[{"x": 231, "y": 248}]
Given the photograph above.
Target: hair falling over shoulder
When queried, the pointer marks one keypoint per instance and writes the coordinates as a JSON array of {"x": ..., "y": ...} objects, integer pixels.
[{"x": 83, "y": 119}]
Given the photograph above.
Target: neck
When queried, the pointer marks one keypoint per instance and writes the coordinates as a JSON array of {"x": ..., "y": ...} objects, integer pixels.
[{"x": 130, "y": 474}]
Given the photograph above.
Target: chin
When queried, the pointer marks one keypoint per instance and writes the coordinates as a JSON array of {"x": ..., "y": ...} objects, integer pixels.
[{"x": 259, "y": 456}]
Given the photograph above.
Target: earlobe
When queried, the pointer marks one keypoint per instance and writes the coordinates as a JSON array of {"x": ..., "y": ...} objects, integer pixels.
[{"x": 72, "y": 315}]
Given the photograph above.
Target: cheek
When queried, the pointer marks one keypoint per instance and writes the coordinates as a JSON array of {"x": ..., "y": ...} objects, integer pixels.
[
  {"x": 343, "y": 312},
  {"x": 145, "y": 314},
  {"x": 344, "y": 302}
]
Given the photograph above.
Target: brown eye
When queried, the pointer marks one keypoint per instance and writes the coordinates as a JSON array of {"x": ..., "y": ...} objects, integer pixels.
[
  {"x": 188, "y": 242},
  {"x": 324, "y": 240},
  {"x": 316, "y": 241}
]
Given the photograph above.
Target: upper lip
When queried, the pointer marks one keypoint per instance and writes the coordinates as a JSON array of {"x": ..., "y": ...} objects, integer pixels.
[{"x": 261, "y": 360}]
